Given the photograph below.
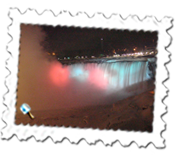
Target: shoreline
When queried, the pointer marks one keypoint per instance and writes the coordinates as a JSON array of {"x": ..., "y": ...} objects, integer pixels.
[{"x": 105, "y": 60}]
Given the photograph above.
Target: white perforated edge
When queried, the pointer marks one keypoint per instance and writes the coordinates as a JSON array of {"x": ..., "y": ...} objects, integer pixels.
[{"x": 91, "y": 135}]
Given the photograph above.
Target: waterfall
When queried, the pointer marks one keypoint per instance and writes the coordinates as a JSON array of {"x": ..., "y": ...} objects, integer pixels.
[{"x": 117, "y": 75}]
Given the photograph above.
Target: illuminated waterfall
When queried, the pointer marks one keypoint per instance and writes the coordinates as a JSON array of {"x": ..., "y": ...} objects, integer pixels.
[
  {"x": 111, "y": 75},
  {"x": 123, "y": 74}
]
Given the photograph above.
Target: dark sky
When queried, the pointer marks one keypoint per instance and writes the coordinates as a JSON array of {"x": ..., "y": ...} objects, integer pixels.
[{"x": 71, "y": 39}]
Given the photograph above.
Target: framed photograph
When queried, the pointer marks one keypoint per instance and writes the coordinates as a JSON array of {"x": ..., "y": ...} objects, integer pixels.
[{"x": 81, "y": 77}]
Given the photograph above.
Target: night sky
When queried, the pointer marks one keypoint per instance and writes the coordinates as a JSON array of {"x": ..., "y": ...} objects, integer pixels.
[{"x": 72, "y": 41}]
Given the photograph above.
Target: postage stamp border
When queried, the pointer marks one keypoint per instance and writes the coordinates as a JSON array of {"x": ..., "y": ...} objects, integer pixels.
[{"x": 75, "y": 134}]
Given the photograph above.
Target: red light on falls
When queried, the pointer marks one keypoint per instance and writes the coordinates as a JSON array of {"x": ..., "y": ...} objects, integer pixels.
[{"x": 59, "y": 75}]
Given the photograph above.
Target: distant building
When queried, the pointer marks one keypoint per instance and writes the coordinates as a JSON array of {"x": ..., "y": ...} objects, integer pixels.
[
  {"x": 77, "y": 57},
  {"x": 151, "y": 50}
]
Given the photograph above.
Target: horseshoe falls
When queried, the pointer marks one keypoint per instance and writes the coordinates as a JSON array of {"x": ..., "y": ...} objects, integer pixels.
[
  {"x": 84, "y": 84},
  {"x": 118, "y": 75}
]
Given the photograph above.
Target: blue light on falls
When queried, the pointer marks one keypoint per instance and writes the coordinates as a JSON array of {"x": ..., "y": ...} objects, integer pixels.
[{"x": 116, "y": 75}]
